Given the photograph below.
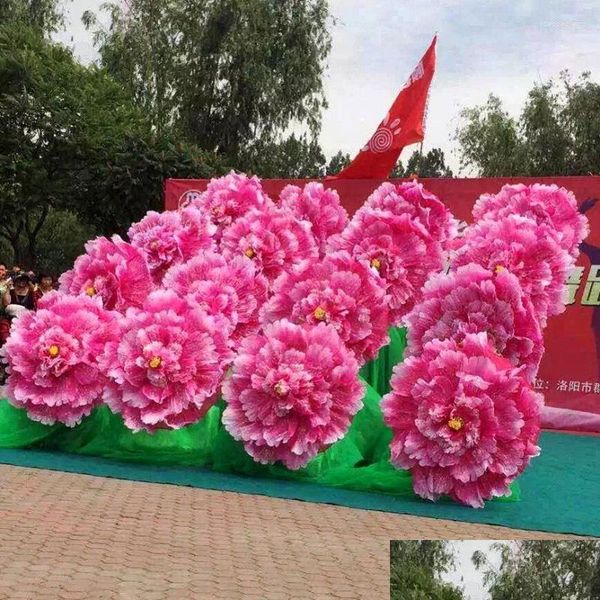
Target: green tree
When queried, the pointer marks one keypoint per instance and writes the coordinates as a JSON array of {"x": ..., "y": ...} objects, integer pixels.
[
  {"x": 338, "y": 161},
  {"x": 489, "y": 141},
  {"x": 580, "y": 116},
  {"x": 61, "y": 241},
  {"x": 126, "y": 180},
  {"x": 557, "y": 132},
  {"x": 44, "y": 15},
  {"x": 432, "y": 164},
  {"x": 295, "y": 158},
  {"x": 71, "y": 140},
  {"x": 38, "y": 122},
  {"x": 415, "y": 570},
  {"x": 544, "y": 140},
  {"x": 543, "y": 570},
  {"x": 225, "y": 73}
]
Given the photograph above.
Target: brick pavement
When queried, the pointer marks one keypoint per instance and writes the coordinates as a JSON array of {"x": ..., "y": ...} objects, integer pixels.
[{"x": 75, "y": 537}]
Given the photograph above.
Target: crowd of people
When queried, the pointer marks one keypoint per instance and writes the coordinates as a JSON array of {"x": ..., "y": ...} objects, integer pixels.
[{"x": 19, "y": 291}]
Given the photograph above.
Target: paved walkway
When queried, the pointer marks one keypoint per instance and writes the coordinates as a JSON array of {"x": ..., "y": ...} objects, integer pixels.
[{"x": 75, "y": 537}]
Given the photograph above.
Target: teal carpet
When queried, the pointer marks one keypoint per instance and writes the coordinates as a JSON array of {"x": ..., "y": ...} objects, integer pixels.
[{"x": 560, "y": 491}]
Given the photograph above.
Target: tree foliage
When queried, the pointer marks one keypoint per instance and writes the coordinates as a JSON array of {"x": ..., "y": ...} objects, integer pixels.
[
  {"x": 557, "y": 133},
  {"x": 44, "y": 15},
  {"x": 61, "y": 241},
  {"x": 127, "y": 180},
  {"x": 337, "y": 162},
  {"x": 72, "y": 140},
  {"x": 224, "y": 73},
  {"x": 296, "y": 157},
  {"x": 415, "y": 570},
  {"x": 543, "y": 570},
  {"x": 432, "y": 164},
  {"x": 489, "y": 140}
]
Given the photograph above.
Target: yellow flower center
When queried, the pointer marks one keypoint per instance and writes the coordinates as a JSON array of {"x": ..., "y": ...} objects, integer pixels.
[
  {"x": 499, "y": 269},
  {"x": 155, "y": 362},
  {"x": 456, "y": 423},
  {"x": 375, "y": 262},
  {"x": 90, "y": 291},
  {"x": 153, "y": 244},
  {"x": 54, "y": 351},
  {"x": 319, "y": 314},
  {"x": 280, "y": 388},
  {"x": 249, "y": 252}
]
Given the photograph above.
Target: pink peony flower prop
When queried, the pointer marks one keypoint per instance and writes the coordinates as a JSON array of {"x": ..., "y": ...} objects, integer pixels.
[
  {"x": 293, "y": 392},
  {"x": 338, "y": 291},
  {"x": 274, "y": 240},
  {"x": 519, "y": 245},
  {"x": 319, "y": 206},
  {"x": 548, "y": 205},
  {"x": 112, "y": 270},
  {"x": 473, "y": 300},
  {"x": 167, "y": 366},
  {"x": 170, "y": 238},
  {"x": 51, "y": 355},
  {"x": 413, "y": 199},
  {"x": 228, "y": 198},
  {"x": 464, "y": 421},
  {"x": 398, "y": 249},
  {"x": 230, "y": 290}
]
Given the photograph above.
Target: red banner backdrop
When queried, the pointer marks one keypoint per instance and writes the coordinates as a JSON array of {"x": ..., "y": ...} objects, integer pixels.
[{"x": 569, "y": 375}]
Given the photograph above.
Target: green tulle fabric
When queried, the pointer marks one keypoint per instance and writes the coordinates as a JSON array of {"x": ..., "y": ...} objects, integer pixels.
[{"x": 360, "y": 461}]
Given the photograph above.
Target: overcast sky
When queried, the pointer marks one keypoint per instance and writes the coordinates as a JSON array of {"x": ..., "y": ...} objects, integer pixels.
[
  {"x": 464, "y": 574},
  {"x": 499, "y": 46}
]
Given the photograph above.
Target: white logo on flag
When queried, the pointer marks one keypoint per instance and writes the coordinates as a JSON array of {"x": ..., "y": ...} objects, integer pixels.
[
  {"x": 415, "y": 75},
  {"x": 383, "y": 138}
]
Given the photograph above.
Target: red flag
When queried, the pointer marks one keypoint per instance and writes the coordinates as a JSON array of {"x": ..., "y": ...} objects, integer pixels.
[{"x": 403, "y": 125}]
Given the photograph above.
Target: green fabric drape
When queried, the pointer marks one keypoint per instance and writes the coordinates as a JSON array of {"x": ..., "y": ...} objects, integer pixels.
[{"x": 379, "y": 371}]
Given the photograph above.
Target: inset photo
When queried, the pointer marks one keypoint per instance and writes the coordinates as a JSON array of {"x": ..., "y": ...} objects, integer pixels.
[{"x": 495, "y": 570}]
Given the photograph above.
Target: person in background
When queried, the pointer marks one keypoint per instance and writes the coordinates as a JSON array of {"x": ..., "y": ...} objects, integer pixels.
[
  {"x": 45, "y": 286},
  {"x": 20, "y": 296},
  {"x": 5, "y": 281},
  {"x": 5, "y": 285}
]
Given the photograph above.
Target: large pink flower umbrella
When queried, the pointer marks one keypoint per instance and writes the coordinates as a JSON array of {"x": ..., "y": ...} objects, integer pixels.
[
  {"x": 465, "y": 421},
  {"x": 232, "y": 289},
  {"x": 171, "y": 238},
  {"x": 111, "y": 270},
  {"x": 167, "y": 365},
  {"x": 552, "y": 207},
  {"x": 319, "y": 206},
  {"x": 413, "y": 199},
  {"x": 398, "y": 249},
  {"x": 519, "y": 245},
  {"x": 473, "y": 300},
  {"x": 292, "y": 393},
  {"x": 273, "y": 239},
  {"x": 339, "y": 291},
  {"x": 51, "y": 355},
  {"x": 229, "y": 198}
]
